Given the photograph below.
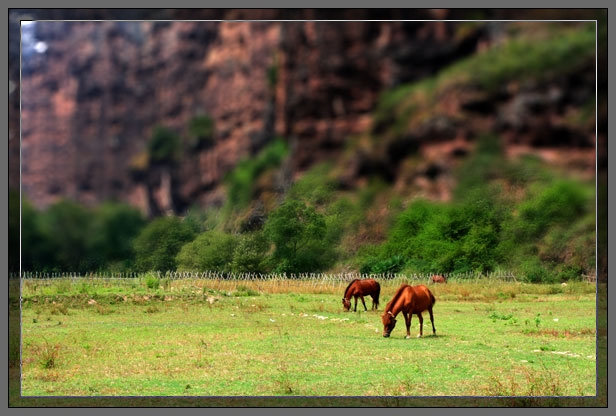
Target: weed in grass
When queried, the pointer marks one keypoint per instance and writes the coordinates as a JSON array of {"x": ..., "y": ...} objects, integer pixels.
[
  {"x": 46, "y": 355},
  {"x": 201, "y": 362},
  {"x": 152, "y": 309},
  {"x": 103, "y": 310},
  {"x": 527, "y": 382},
  {"x": 566, "y": 333},
  {"x": 64, "y": 286},
  {"x": 463, "y": 294},
  {"x": 547, "y": 348},
  {"x": 245, "y": 291},
  {"x": 285, "y": 381},
  {"x": 152, "y": 282},
  {"x": 58, "y": 309},
  {"x": 50, "y": 377},
  {"x": 509, "y": 318}
]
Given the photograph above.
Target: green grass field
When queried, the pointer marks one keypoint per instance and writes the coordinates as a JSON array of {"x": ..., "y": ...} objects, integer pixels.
[{"x": 198, "y": 339}]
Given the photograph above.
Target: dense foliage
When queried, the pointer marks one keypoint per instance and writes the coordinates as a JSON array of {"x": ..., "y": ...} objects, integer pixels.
[
  {"x": 164, "y": 146},
  {"x": 70, "y": 237},
  {"x": 157, "y": 246},
  {"x": 507, "y": 214},
  {"x": 240, "y": 181},
  {"x": 546, "y": 234}
]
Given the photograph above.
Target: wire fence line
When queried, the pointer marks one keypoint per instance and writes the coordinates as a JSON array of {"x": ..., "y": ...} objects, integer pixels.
[{"x": 313, "y": 279}]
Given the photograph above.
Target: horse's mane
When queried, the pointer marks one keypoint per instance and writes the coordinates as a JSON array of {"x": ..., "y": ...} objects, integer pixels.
[
  {"x": 396, "y": 296},
  {"x": 349, "y": 285}
]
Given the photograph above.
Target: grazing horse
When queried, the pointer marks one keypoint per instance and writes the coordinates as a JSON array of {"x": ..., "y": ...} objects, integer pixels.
[
  {"x": 437, "y": 278},
  {"x": 360, "y": 288},
  {"x": 409, "y": 300}
]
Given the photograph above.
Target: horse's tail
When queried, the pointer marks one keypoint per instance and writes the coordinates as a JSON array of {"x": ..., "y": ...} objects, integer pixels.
[{"x": 377, "y": 293}]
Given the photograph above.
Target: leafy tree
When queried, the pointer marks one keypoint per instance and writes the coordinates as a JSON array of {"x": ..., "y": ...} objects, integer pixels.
[
  {"x": 35, "y": 252},
  {"x": 65, "y": 229},
  {"x": 14, "y": 218},
  {"x": 560, "y": 203},
  {"x": 315, "y": 186},
  {"x": 159, "y": 242},
  {"x": 164, "y": 146},
  {"x": 210, "y": 250},
  {"x": 297, "y": 231},
  {"x": 241, "y": 180},
  {"x": 201, "y": 132},
  {"x": 114, "y": 228},
  {"x": 250, "y": 254}
]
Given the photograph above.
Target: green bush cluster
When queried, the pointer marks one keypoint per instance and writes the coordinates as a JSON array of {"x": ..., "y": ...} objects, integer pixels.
[
  {"x": 158, "y": 244},
  {"x": 545, "y": 235},
  {"x": 201, "y": 133},
  {"x": 241, "y": 180},
  {"x": 165, "y": 146},
  {"x": 505, "y": 214},
  {"x": 69, "y": 237}
]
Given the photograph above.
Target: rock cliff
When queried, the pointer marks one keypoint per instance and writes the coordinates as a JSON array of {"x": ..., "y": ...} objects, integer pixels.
[{"x": 92, "y": 100}]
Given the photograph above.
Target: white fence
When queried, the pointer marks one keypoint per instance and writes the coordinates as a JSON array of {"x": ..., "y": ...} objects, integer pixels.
[{"x": 314, "y": 279}]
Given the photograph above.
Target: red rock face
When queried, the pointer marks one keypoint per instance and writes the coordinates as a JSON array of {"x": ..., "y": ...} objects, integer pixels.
[{"x": 91, "y": 102}]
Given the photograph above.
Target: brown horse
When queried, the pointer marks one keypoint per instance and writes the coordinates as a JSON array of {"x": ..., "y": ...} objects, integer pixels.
[
  {"x": 360, "y": 288},
  {"x": 409, "y": 300},
  {"x": 437, "y": 278}
]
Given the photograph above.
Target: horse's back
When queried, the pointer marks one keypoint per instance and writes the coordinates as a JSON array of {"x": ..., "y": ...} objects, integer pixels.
[
  {"x": 422, "y": 297},
  {"x": 374, "y": 284},
  {"x": 369, "y": 285},
  {"x": 437, "y": 278}
]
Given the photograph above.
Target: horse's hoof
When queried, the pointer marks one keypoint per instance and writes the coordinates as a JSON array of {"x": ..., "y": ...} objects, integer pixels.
[
  {"x": 419, "y": 336},
  {"x": 408, "y": 337}
]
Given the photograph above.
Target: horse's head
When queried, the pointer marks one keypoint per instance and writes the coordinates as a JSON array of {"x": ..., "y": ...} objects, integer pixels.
[
  {"x": 389, "y": 322},
  {"x": 346, "y": 303}
]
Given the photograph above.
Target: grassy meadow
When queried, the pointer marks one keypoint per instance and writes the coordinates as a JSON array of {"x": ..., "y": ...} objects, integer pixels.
[{"x": 189, "y": 339}]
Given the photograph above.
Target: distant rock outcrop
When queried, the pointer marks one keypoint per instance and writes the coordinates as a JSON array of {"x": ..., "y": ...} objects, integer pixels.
[{"x": 91, "y": 101}]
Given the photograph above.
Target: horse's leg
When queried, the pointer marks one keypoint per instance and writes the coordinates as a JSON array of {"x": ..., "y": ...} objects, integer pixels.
[
  {"x": 420, "y": 325},
  {"x": 432, "y": 320},
  {"x": 362, "y": 301},
  {"x": 355, "y": 309},
  {"x": 407, "y": 321}
]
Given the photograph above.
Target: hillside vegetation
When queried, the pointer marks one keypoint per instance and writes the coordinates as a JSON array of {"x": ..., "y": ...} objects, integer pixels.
[{"x": 520, "y": 214}]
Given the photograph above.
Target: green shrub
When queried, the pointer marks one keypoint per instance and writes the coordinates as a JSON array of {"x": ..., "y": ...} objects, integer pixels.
[
  {"x": 297, "y": 232},
  {"x": 526, "y": 58},
  {"x": 152, "y": 281},
  {"x": 533, "y": 271},
  {"x": 241, "y": 180},
  {"x": 315, "y": 187},
  {"x": 447, "y": 238},
  {"x": 37, "y": 251},
  {"x": 210, "y": 250},
  {"x": 65, "y": 231},
  {"x": 201, "y": 133},
  {"x": 390, "y": 265},
  {"x": 114, "y": 228},
  {"x": 14, "y": 230},
  {"x": 560, "y": 203},
  {"x": 164, "y": 146},
  {"x": 158, "y": 244},
  {"x": 250, "y": 254}
]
